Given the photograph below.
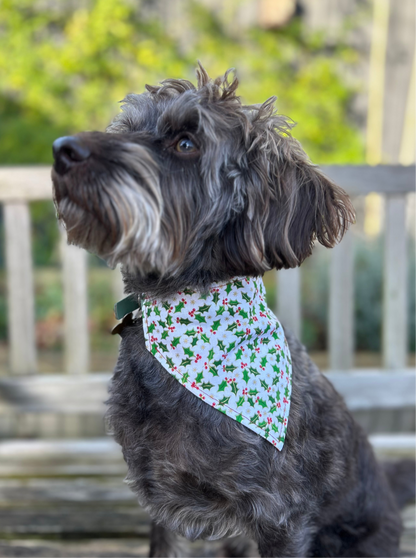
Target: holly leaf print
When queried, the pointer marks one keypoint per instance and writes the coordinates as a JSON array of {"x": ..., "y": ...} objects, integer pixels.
[
  {"x": 254, "y": 418},
  {"x": 239, "y": 418},
  {"x": 205, "y": 338},
  {"x": 243, "y": 313},
  {"x": 262, "y": 403},
  {"x": 240, "y": 334},
  {"x": 188, "y": 352},
  {"x": 231, "y": 327},
  {"x": 156, "y": 311},
  {"x": 165, "y": 305},
  {"x": 190, "y": 332},
  {"x": 163, "y": 347},
  {"x": 199, "y": 377},
  {"x": 272, "y": 351},
  {"x": 238, "y": 354},
  {"x": 221, "y": 345},
  {"x": 176, "y": 341},
  {"x": 238, "y": 284},
  {"x": 250, "y": 400},
  {"x": 230, "y": 368},
  {"x": 217, "y": 363},
  {"x": 254, "y": 371},
  {"x": 228, "y": 288},
  {"x": 240, "y": 402},
  {"x": 272, "y": 409},
  {"x": 188, "y": 291},
  {"x": 151, "y": 328},
  {"x": 222, "y": 385},
  {"x": 253, "y": 392},
  {"x": 231, "y": 346},
  {"x": 265, "y": 340},
  {"x": 213, "y": 370},
  {"x": 211, "y": 354},
  {"x": 276, "y": 380},
  {"x": 278, "y": 396},
  {"x": 246, "y": 297},
  {"x": 233, "y": 303},
  {"x": 215, "y": 297},
  {"x": 264, "y": 384},
  {"x": 165, "y": 334},
  {"x": 216, "y": 325},
  {"x": 286, "y": 392},
  {"x": 263, "y": 361},
  {"x": 154, "y": 349},
  {"x": 200, "y": 319},
  {"x": 220, "y": 310},
  {"x": 194, "y": 341},
  {"x": 262, "y": 424},
  {"x": 272, "y": 399},
  {"x": 185, "y": 377},
  {"x": 280, "y": 419},
  {"x": 204, "y": 308},
  {"x": 231, "y": 312},
  {"x": 224, "y": 400},
  {"x": 183, "y": 321},
  {"x": 253, "y": 357},
  {"x": 203, "y": 296},
  {"x": 246, "y": 375},
  {"x": 169, "y": 320},
  {"x": 207, "y": 385},
  {"x": 274, "y": 428},
  {"x": 186, "y": 362},
  {"x": 234, "y": 388}
]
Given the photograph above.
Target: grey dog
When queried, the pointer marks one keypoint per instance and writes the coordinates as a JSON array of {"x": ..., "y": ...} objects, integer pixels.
[{"x": 189, "y": 187}]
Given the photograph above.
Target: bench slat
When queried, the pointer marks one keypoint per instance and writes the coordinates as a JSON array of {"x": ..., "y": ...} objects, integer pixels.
[{"x": 21, "y": 305}]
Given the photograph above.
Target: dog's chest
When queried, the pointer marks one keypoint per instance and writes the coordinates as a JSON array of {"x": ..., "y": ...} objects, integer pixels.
[{"x": 228, "y": 349}]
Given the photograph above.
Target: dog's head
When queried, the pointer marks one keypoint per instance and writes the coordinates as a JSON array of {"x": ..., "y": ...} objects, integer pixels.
[{"x": 189, "y": 178}]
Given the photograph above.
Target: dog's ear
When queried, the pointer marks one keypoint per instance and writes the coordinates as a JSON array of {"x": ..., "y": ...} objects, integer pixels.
[{"x": 304, "y": 204}]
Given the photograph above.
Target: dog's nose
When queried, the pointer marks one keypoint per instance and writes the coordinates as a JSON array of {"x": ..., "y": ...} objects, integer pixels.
[{"x": 67, "y": 152}]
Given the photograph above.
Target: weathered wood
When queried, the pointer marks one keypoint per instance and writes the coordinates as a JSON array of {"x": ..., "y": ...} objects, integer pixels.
[
  {"x": 398, "y": 71},
  {"x": 61, "y": 394},
  {"x": 341, "y": 305},
  {"x": 408, "y": 144},
  {"x": 367, "y": 389},
  {"x": 376, "y": 81},
  {"x": 55, "y": 393},
  {"x": 74, "y": 274},
  {"x": 25, "y": 183},
  {"x": 395, "y": 285},
  {"x": 21, "y": 305},
  {"x": 363, "y": 179},
  {"x": 288, "y": 299},
  {"x": 69, "y": 458},
  {"x": 34, "y": 183}
]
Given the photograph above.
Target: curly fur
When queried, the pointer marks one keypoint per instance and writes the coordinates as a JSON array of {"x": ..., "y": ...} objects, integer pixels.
[{"x": 247, "y": 200}]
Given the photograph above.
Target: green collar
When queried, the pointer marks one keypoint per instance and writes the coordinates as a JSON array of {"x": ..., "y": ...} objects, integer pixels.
[{"x": 126, "y": 306}]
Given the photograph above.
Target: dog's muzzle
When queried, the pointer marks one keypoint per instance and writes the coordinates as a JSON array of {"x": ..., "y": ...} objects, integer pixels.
[{"x": 68, "y": 152}]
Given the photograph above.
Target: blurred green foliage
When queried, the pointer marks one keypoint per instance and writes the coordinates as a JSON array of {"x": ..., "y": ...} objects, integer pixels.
[{"x": 64, "y": 68}]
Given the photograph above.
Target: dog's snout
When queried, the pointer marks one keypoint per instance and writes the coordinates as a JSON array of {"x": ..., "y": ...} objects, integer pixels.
[{"x": 67, "y": 152}]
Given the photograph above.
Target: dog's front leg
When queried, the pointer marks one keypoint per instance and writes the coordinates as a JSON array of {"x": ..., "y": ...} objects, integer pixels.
[
  {"x": 165, "y": 543},
  {"x": 292, "y": 540}
]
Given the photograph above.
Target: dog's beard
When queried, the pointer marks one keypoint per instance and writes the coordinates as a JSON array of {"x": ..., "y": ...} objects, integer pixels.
[{"x": 116, "y": 214}]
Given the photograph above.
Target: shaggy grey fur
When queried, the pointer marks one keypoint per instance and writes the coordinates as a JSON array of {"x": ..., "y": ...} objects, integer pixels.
[{"x": 240, "y": 198}]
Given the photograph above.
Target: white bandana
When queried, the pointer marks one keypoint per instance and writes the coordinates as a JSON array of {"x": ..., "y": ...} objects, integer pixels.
[{"x": 227, "y": 348}]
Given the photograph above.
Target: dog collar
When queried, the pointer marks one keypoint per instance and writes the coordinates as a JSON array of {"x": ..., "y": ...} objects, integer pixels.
[{"x": 228, "y": 349}]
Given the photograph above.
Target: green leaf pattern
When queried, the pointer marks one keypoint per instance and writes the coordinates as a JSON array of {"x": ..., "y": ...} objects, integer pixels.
[{"x": 228, "y": 349}]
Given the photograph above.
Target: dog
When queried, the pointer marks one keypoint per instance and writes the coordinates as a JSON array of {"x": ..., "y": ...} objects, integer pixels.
[{"x": 193, "y": 193}]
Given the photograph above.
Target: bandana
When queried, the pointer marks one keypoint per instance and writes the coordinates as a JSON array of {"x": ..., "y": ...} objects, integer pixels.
[{"x": 228, "y": 349}]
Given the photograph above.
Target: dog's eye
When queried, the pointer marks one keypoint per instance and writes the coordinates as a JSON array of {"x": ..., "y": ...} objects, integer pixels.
[{"x": 185, "y": 145}]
